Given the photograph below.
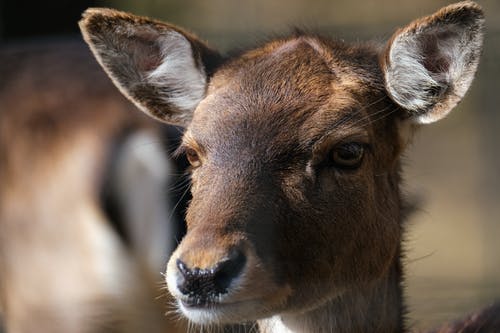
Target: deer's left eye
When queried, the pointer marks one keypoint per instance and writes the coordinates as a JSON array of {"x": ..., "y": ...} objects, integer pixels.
[
  {"x": 347, "y": 155},
  {"x": 193, "y": 157}
]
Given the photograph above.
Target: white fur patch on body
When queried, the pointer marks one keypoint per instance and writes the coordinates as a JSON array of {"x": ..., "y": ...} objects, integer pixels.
[{"x": 273, "y": 325}]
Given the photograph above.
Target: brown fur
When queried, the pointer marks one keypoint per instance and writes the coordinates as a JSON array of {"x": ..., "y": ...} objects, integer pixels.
[
  {"x": 321, "y": 243},
  {"x": 251, "y": 195}
]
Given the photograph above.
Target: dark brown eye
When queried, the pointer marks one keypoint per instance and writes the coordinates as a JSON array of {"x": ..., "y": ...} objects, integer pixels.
[
  {"x": 193, "y": 157},
  {"x": 347, "y": 155}
]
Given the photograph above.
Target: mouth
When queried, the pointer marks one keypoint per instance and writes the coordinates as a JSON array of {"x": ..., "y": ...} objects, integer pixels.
[
  {"x": 209, "y": 303},
  {"x": 199, "y": 303},
  {"x": 210, "y": 311}
]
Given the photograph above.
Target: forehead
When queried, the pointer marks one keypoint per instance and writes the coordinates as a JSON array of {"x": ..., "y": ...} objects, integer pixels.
[{"x": 296, "y": 84}]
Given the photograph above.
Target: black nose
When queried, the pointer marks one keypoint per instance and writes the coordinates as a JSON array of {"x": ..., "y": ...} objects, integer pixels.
[{"x": 204, "y": 284}]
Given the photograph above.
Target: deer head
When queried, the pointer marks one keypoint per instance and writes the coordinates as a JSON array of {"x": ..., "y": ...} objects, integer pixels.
[{"x": 294, "y": 148}]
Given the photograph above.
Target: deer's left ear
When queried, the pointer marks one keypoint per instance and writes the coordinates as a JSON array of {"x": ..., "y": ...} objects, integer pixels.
[{"x": 429, "y": 65}]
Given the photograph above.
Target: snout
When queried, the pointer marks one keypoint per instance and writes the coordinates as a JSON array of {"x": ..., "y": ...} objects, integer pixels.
[
  {"x": 202, "y": 274},
  {"x": 204, "y": 286},
  {"x": 221, "y": 279}
]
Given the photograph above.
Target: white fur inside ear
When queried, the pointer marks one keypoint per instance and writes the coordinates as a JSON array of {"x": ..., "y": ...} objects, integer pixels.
[
  {"x": 408, "y": 81},
  {"x": 429, "y": 71},
  {"x": 179, "y": 79}
]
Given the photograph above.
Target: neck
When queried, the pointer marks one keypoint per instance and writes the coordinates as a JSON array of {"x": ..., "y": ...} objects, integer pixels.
[{"x": 374, "y": 308}]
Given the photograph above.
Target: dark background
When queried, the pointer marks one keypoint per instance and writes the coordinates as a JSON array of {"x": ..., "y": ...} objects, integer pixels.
[{"x": 25, "y": 19}]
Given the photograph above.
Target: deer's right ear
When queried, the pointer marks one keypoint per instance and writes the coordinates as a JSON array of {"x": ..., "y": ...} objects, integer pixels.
[
  {"x": 429, "y": 65},
  {"x": 161, "y": 68}
]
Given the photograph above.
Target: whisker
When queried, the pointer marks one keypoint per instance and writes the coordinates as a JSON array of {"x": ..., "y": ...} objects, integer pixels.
[
  {"x": 178, "y": 202},
  {"x": 371, "y": 120},
  {"x": 179, "y": 186},
  {"x": 425, "y": 256},
  {"x": 345, "y": 120}
]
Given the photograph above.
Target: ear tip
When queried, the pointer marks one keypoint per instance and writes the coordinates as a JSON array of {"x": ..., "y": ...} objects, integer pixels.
[
  {"x": 464, "y": 11},
  {"x": 95, "y": 13},
  {"x": 467, "y": 5},
  {"x": 91, "y": 18},
  {"x": 95, "y": 18}
]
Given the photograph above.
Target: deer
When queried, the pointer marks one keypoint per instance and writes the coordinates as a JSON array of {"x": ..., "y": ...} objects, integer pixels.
[
  {"x": 297, "y": 214},
  {"x": 71, "y": 146}
]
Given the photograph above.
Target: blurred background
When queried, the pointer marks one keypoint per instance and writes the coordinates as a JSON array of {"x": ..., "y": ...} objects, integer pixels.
[{"x": 452, "y": 168}]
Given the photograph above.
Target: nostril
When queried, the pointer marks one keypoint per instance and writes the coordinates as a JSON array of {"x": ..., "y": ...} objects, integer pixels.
[
  {"x": 205, "y": 283},
  {"x": 186, "y": 281},
  {"x": 182, "y": 267},
  {"x": 229, "y": 269}
]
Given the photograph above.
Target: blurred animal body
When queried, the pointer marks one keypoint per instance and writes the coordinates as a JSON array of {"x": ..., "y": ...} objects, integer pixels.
[
  {"x": 297, "y": 214},
  {"x": 75, "y": 156}
]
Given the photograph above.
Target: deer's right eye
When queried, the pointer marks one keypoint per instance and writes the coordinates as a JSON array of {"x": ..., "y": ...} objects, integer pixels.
[{"x": 193, "y": 157}]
